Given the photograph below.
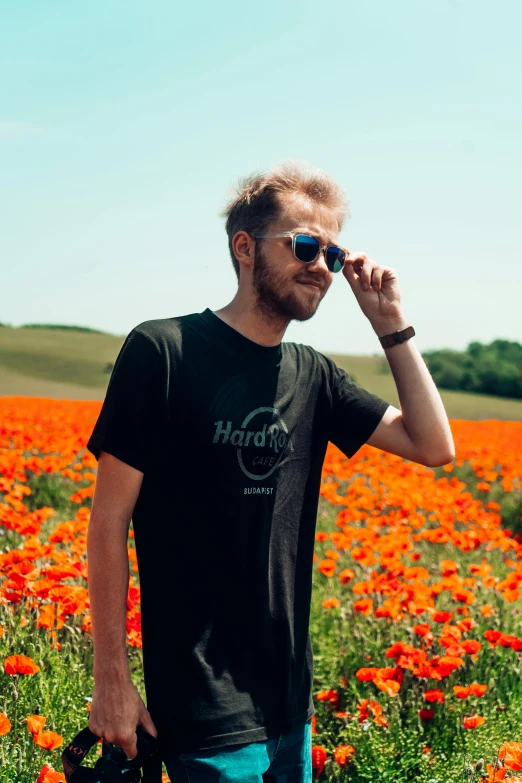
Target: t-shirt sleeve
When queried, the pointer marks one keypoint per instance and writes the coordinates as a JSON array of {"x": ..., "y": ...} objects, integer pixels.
[
  {"x": 355, "y": 412},
  {"x": 129, "y": 419}
]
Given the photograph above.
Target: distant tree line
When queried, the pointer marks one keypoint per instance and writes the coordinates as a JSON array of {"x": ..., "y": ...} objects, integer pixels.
[{"x": 487, "y": 369}]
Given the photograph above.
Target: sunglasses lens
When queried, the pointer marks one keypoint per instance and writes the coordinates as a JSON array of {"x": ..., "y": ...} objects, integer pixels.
[
  {"x": 335, "y": 257},
  {"x": 306, "y": 248}
]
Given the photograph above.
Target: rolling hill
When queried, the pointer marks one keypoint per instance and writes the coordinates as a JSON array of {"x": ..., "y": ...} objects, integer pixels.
[{"x": 64, "y": 363}]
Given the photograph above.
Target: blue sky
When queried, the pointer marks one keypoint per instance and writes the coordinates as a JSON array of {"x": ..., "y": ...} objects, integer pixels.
[{"x": 123, "y": 126}]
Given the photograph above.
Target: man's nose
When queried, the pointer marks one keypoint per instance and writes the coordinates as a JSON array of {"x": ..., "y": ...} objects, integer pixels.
[{"x": 319, "y": 263}]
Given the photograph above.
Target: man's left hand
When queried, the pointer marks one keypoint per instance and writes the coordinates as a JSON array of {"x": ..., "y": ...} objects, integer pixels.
[{"x": 375, "y": 287}]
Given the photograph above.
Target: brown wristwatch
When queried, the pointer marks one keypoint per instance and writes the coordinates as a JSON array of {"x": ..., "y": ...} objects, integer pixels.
[{"x": 400, "y": 336}]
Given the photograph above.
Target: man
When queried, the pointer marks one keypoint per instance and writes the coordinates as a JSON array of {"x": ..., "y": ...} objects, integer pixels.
[{"x": 212, "y": 437}]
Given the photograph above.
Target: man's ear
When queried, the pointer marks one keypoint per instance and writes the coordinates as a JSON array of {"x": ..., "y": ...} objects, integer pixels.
[{"x": 243, "y": 246}]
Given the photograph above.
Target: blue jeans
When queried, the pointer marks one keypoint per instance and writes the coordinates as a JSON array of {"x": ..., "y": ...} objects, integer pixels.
[{"x": 286, "y": 758}]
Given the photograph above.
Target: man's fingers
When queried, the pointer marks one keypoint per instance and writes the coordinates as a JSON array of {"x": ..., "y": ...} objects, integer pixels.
[
  {"x": 377, "y": 277},
  {"x": 364, "y": 266},
  {"x": 130, "y": 747},
  {"x": 353, "y": 255},
  {"x": 350, "y": 273},
  {"x": 147, "y": 723}
]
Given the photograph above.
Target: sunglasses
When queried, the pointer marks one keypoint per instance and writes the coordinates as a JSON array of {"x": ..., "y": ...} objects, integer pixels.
[{"x": 306, "y": 248}]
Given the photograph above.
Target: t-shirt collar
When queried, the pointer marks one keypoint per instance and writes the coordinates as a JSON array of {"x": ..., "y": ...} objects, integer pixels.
[{"x": 241, "y": 342}]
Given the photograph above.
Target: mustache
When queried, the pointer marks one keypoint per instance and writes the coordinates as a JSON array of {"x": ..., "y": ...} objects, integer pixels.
[{"x": 311, "y": 280}]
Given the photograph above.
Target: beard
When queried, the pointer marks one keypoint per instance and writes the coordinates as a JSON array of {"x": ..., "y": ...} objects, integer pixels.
[{"x": 271, "y": 301}]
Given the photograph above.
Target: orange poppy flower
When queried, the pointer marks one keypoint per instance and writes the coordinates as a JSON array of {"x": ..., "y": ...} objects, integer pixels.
[
  {"x": 331, "y": 603},
  {"x": 327, "y": 567},
  {"x": 422, "y": 629},
  {"x": 448, "y": 567},
  {"x": 346, "y": 576},
  {"x": 510, "y": 754},
  {"x": 319, "y": 756},
  {"x": 442, "y": 617},
  {"x": 472, "y": 721},
  {"x": 391, "y": 687},
  {"x": 478, "y": 690},
  {"x": 49, "y": 775},
  {"x": 5, "y": 724},
  {"x": 332, "y": 554},
  {"x": 35, "y": 723},
  {"x": 462, "y": 691},
  {"x": 492, "y": 636},
  {"x": 20, "y": 664},
  {"x": 343, "y": 754},
  {"x": 321, "y": 536},
  {"x": 363, "y": 606},
  {"x": 466, "y": 625},
  {"x": 330, "y": 696},
  {"x": 434, "y": 695},
  {"x": 466, "y": 596},
  {"x": 495, "y": 775},
  {"x": 49, "y": 740},
  {"x": 471, "y": 646},
  {"x": 367, "y": 674}
]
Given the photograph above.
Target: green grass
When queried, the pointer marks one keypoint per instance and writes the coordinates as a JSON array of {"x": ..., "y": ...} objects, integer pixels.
[
  {"x": 59, "y": 355},
  {"x": 366, "y": 371},
  {"x": 64, "y": 363}
]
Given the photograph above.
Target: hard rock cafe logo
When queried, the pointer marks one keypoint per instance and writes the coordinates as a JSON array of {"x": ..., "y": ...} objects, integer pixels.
[{"x": 260, "y": 444}]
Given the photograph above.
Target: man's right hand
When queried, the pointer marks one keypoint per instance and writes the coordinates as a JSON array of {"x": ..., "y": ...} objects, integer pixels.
[{"x": 116, "y": 710}]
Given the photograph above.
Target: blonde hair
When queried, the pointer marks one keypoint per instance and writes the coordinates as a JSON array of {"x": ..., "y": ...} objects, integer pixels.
[{"x": 256, "y": 200}]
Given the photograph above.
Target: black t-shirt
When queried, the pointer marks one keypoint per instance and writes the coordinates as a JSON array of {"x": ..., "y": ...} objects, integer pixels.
[{"x": 231, "y": 437}]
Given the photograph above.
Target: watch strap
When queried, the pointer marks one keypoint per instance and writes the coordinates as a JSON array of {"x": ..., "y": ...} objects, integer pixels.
[{"x": 395, "y": 338}]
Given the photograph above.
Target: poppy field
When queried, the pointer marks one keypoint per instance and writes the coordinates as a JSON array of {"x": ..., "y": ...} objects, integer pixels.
[{"x": 416, "y": 621}]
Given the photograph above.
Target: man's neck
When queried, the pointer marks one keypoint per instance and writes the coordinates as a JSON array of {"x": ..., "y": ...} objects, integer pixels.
[{"x": 252, "y": 324}]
